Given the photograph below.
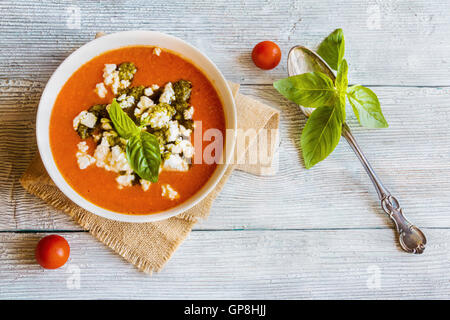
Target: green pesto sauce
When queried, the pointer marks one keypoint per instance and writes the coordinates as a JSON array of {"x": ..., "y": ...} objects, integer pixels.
[{"x": 127, "y": 71}]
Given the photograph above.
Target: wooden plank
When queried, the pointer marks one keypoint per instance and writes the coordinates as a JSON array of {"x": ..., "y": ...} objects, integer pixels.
[
  {"x": 412, "y": 156},
  {"x": 344, "y": 264},
  {"x": 388, "y": 42}
]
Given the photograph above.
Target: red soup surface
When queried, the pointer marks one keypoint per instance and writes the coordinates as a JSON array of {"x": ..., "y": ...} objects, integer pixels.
[{"x": 98, "y": 185}]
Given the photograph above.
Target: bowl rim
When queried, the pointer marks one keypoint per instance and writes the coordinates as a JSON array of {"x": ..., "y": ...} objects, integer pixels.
[{"x": 75, "y": 59}]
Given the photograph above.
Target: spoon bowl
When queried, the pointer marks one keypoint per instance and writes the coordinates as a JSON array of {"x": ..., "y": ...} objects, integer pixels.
[{"x": 302, "y": 60}]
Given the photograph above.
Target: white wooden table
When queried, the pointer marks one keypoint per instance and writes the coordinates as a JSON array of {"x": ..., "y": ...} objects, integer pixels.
[{"x": 315, "y": 233}]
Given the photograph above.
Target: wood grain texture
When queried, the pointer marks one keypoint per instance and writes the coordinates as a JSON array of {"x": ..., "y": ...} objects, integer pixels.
[
  {"x": 315, "y": 233},
  {"x": 388, "y": 42},
  {"x": 248, "y": 265}
]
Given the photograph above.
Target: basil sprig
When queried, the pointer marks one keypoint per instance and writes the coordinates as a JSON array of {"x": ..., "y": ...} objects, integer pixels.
[
  {"x": 143, "y": 153},
  {"x": 323, "y": 129}
]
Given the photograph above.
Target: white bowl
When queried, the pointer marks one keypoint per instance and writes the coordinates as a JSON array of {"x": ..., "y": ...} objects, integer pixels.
[{"x": 114, "y": 41}]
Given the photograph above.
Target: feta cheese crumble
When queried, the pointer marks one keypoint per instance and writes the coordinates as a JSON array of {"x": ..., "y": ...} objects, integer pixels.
[
  {"x": 110, "y": 74},
  {"x": 144, "y": 104},
  {"x": 111, "y": 158},
  {"x": 175, "y": 163},
  {"x": 184, "y": 146},
  {"x": 124, "y": 83},
  {"x": 188, "y": 113},
  {"x": 168, "y": 192},
  {"x": 101, "y": 90},
  {"x": 109, "y": 69},
  {"x": 101, "y": 154},
  {"x": 187, "y": 149},
  {"x": 145, "y": 185},
  {"x": 125, "y": 180},
  {"x": 185, "y": 132},
  {"x": 157, "y": 51},
  {"x": 89, "y": 120},
  {"x": 118, "y": 161},
  {"x": 85, "y": 118},
  {"x": 173, "y": 131},
  {"x": 76, "y": 120},
  {"x": 158, "y": 118},
  {"x": 168, "y": 94},
  {"x": 84, "y": 160},
  {"x": 148, "y": 91},
  {"x": 127, "y": 102}
]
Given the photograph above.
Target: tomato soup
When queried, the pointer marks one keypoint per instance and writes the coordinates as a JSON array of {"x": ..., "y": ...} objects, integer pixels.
[{"x": 98, "y": 185}]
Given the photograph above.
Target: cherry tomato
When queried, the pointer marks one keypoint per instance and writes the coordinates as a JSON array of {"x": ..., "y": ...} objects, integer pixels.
[
  {"x": 52, "y": 252},
  {"x": 266, "y": 55}
]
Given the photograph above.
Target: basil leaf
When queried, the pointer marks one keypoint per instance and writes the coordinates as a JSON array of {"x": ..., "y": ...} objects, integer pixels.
[
  {"x": 320, "y": 135},
  {"x": 340, "y": 105},
  {"x": 312, "y": 90},
  {"x": 332, "y": 48},
  {"x": 144, "y": 155},
  {"x": 341, "y": 85},
  {"x": 366, "y": 107},
  {"x": 123, "y": 124},
  {"x": 341, "y": 77}
]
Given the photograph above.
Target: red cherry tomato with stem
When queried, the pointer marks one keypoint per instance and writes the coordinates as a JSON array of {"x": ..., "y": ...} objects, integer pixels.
[
  {"x": 52, "y": 251},
  {"x": 266, "y": 55}
]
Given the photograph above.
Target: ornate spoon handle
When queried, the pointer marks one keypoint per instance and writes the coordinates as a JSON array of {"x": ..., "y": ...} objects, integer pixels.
[{"x": 410, "y": 237}]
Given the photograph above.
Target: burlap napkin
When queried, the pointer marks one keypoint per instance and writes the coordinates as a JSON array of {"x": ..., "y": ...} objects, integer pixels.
[{"x": 150, "y": 245}]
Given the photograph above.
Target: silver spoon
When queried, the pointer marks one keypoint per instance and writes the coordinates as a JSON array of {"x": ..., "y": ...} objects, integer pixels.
[{"x": 302, "y": 60}]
